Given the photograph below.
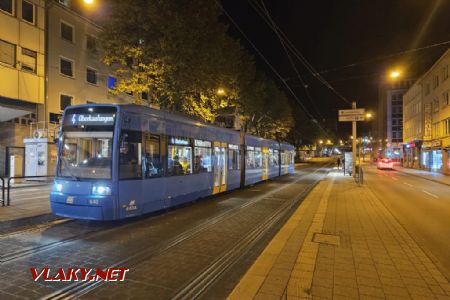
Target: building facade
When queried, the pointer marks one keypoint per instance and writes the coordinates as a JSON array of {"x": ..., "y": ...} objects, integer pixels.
[
  {"x": 76, "y": 74},
  {"x": 389, "y": 125},
  {"x": 413, "y": 128},
  {"x": 435, "y": 84},
  {"x": 22, "y": 52},
  {"x": 49, "y": 59}
]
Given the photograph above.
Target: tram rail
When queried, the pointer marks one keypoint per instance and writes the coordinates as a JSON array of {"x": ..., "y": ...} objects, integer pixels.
[{"x": 196, "y": 287}]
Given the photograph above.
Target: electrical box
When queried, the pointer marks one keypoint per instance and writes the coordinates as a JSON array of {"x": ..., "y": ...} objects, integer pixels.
[{"x": 40, "y": 157}]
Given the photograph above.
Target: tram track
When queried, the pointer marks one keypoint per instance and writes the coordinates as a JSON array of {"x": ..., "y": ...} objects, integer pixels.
[
  {"x": 212, "y": 272},
  {"x": 205, "y": 279},
  {"x": 35, "y": 227},
  {"x": 25, "y": 252}
]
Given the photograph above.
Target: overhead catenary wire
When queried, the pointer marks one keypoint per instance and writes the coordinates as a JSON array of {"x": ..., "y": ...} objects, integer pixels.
[
  {"x": 362, "y": 62},
  {"x": 292, "y": 63},
  {"x": 298, "y": 54},
  {"x": 270, "y": 66}
]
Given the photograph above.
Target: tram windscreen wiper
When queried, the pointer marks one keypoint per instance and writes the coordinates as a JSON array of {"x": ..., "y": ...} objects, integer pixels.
[{"x": 75, "y": 177}]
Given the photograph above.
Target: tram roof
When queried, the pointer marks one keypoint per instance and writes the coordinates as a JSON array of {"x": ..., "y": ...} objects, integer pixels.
[{"x": 179, "y": 117}]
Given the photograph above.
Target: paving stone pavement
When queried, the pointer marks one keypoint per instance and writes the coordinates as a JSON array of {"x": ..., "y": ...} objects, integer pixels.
[
  {"x": 26, "y": 202},
  {"x": 353, "y": 247}
]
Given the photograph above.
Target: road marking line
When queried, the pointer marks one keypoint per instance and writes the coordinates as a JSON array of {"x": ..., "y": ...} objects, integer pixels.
[
  {"x": 408, "y": 184},
  {"x": 393, "y": 178},
  {"x": 430, "y": 194}
]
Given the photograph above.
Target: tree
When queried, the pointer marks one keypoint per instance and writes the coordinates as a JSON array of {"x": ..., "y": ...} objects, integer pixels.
[
  {"x": 180, "y": 52},
  {"x": 266, "y": 108},
  {"x": 177, "y": 49}
]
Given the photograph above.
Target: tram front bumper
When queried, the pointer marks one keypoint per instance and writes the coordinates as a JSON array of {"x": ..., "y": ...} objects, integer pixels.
[{"x": 90, "y": 207}]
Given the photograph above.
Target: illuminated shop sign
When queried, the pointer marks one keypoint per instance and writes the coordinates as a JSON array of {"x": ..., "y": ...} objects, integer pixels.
[{"x": 90, "y": 119}]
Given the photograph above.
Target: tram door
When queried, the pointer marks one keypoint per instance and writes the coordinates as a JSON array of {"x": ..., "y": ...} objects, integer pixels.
[
  {"x": 220, "y": 167},
  {"x": 265, "y": 163}
]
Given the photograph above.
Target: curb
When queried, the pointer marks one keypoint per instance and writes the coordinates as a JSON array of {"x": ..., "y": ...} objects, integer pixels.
[
  {"x": 426, "y": 178},
  {"x": 6, "y": 226}
]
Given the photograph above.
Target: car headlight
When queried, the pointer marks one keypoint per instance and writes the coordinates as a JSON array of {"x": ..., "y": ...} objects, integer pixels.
[{"x": 101, "y": 190}]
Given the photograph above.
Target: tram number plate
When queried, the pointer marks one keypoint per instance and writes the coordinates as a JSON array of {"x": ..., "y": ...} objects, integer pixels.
[{"x": 69, "y": 200}]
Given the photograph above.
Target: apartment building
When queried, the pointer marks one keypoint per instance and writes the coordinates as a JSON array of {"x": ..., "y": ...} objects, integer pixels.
[
  {"x": 389, "y": 127},
  {"x": 413, "y": 129},
  {"x": 62, "y": 49},
  {"x": 22, "y": 47},
  {"x": 76, "y": 74},
  {"x": 436, "y": 116}
]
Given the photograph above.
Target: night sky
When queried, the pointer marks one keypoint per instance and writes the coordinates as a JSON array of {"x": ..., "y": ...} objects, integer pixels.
[{"x": 331, "y": 34}]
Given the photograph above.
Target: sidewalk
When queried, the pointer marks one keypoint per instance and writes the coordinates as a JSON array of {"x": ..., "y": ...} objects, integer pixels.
[
  {"x": 433, "y": 176},
  {"x": 342, "y": 243},
  {"x": 29, "y": 205}
]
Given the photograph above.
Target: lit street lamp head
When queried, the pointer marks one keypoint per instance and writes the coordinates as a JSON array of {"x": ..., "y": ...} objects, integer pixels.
[
  {"x": 220, "y": 92},
  {"x": 88, "y": 1},
  {"x": 395, "y": 74}
]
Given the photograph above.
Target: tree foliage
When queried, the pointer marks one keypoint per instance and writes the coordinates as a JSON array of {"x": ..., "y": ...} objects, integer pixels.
[{"x": 180, "y": 52}]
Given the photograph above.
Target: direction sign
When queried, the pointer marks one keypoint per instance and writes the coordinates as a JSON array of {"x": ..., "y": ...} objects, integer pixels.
[
  {"x": 352, "y": 115},
  {"x": 351, "y": 118},
  {"x": 352, "y": 112}
]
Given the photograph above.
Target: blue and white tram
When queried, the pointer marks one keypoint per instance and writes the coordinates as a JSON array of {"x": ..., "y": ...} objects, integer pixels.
[{"x": 119, "y": 161}]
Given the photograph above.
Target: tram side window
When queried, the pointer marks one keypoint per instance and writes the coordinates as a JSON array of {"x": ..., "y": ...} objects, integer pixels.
[
  {"x": 130, "y": 155},
  {"x": 275, "y": 158},
  {"x": 152, "y": 164},
  {"x": 258, "y": 157},
  {"x": 250, "y": 158},
  {"x": 179, "y": 156},
  {"x": 233, "y": 157},
  {"x": 202, "y": 156},
  {"x": 271, "y": 158},
  {"x": 283, "y": 158}
]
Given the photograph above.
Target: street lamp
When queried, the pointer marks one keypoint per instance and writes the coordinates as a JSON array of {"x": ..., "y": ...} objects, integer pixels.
[
  {"x": 220, "y": 91},
  {"x": 394, "y": 74},
  {"x": 368, "y": 115}
]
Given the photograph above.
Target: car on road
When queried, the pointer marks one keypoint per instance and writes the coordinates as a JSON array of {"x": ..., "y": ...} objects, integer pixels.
[{"x": 385, "y": 163}]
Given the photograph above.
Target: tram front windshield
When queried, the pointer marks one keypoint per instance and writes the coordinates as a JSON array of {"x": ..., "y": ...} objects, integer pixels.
[
  {"x": 87, "y": 143},
  {"x": 86, "y": 155}
]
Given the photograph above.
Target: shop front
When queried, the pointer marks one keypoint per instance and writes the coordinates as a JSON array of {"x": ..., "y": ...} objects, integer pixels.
[
  {"x": 434, "y": 157},
  {"x": 411, "y": 154},
  {"x": 446, "y": 155}
]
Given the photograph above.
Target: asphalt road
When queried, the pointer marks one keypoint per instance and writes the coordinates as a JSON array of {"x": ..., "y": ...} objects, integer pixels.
[{"x": 421, "y": 206}]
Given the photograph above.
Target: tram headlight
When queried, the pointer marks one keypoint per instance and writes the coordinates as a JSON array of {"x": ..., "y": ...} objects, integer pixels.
[
  {"x": 101, "y": 190},
  {"x": 58, "y": 187}
]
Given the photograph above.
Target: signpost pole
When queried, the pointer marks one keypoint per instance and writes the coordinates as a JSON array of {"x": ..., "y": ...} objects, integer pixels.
[{"x": 354, "y": 143}]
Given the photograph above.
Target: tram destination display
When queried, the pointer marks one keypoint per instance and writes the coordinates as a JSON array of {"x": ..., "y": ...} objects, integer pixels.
[{"x": 89, "y": 119}]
